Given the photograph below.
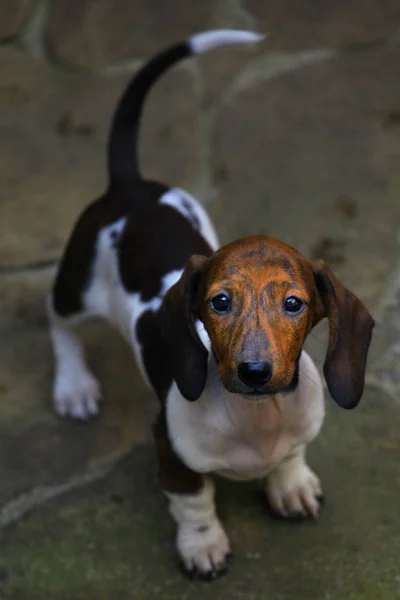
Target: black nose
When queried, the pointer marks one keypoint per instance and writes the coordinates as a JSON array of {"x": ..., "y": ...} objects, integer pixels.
[{"x": 254, "y": 373}]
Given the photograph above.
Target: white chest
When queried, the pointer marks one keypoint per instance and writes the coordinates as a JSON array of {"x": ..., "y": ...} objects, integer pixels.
[
  {"x": 213, "y": 437},
  {"x": 238, "y": 438}
]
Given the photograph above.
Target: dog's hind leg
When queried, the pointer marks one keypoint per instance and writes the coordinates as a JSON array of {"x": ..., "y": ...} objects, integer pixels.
[
  {"x": 76, "y": 392},
  {"x": 76, "y": 296}
]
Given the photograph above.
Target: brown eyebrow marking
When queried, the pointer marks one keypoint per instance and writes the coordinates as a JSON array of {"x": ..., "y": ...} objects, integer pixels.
[
  {"x": 285, "y": 265},
  {"x": 231, "y": 281},
  {"x": 276, "y": 284}
]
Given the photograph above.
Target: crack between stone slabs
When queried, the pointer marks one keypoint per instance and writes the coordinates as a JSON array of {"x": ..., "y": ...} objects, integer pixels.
[
  {"x": 231, "y": 14},
  {"x": 16, "y": 38},
  {"x": 29, "y": 267},
  {"x": 17, "y": 508},
  {"x": 32, "y": 38},
  {"x": 244, "y": 14},
  {"x": 272, "y": 65}
]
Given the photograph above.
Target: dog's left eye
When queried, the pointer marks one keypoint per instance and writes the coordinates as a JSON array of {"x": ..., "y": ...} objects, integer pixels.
[
  {"x": 293, "y": 304},
  {"x": 220, "y": 303}
]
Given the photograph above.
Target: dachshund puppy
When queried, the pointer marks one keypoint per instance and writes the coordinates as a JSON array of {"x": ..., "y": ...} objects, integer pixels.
[{"x": 217, "y": 333}]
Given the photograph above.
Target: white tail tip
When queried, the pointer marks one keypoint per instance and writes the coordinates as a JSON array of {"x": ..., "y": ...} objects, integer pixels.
[{"x": 208, "y": 40}]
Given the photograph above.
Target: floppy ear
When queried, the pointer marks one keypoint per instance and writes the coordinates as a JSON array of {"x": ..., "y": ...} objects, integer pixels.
[
  {"x": 186, "y": 353},
  {"x": 350, "y": 330}
]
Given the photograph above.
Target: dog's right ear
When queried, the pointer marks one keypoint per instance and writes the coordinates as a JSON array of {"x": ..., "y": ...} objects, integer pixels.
[
  {"x": 350, "y": 330},
  {"x": 177, "y": 317}
]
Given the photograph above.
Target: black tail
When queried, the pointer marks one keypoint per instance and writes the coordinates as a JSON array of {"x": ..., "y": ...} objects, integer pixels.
[{"x": 123, "y": 161}]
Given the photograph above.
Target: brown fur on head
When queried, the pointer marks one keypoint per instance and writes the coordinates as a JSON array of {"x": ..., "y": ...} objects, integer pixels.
[{"x": 258, "y": 281}]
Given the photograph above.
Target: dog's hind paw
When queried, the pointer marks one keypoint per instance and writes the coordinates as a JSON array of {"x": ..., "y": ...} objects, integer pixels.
[{"x": 77, "y": 396}]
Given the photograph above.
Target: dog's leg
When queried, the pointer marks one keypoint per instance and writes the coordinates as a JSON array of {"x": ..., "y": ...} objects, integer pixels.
[
  {"x": 292, "y": 489},
  {"x": 76, "y": 392},
  {"x": 202, "y": 543}
]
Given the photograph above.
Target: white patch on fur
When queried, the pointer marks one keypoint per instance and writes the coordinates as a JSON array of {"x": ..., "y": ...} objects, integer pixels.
[
  {"x": 201, "y": 540},
  {"x": 187, "y": 206},
  {"x": 208, "y": 40},
  {"x": 203, "y": 335},
  {"x": 105, "y": 296},
  {"x": 229, "y": 434},
  {"x": 292, "y": 488},
  {"x": 138, "y": 308}
]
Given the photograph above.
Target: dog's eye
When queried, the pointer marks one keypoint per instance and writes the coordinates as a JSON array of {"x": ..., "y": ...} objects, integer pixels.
[
  {"x": 293, "y": 304},
  {"x": 221, "y": 303}
]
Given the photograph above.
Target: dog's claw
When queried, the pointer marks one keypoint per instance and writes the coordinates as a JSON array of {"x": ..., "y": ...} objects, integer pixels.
[
  {"x": 205, "y": 553},
  {"x": 195, "y": 574}
]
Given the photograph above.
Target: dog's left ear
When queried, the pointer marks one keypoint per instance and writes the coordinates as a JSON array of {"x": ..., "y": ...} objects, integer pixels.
[
  {"x": 177, "y": 320},
  {"x": 350, "y": 330}
]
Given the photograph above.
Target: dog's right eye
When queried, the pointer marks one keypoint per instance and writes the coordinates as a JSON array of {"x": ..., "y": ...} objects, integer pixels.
[
  {"x": 221, "y": 303},
  {"x": 293, "y": 304}
]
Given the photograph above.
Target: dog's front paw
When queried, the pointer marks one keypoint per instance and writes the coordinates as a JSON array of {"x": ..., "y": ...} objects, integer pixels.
[
  {"x": 77, "y": 395},
  {"x": 204, "y": 550},
  {"x": 294, "y": 491}
]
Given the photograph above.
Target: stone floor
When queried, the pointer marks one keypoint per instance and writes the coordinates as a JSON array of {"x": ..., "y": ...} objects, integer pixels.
[{"x": 298, "y": 138}]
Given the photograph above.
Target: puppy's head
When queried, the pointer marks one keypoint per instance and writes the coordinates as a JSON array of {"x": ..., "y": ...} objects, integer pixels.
[{"x": 258, "y": 300}]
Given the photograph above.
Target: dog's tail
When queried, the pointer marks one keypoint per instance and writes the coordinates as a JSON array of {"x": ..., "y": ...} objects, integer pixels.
[{"x": 122, "y": 146}]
